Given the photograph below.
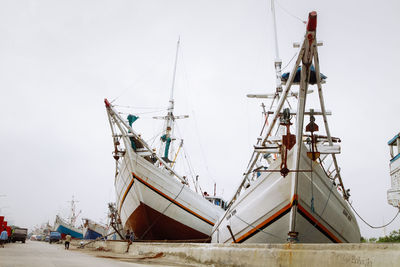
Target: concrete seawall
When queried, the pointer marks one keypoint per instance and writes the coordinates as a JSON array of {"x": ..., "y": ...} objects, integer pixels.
[{"x": 264, "y": 254}]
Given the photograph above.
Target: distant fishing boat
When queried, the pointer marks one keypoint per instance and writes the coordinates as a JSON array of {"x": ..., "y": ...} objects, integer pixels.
[
  {"x": 93, "y": 230},
  {"x": 153, "y": 200},
  {"x": 292, "y": 190},
  {"x": 393, "y": 194},
  {"x": 65, "y": 227}
]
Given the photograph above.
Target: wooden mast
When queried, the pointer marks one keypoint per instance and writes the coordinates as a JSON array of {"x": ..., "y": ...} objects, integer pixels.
[{"x": 308, "y": 45}]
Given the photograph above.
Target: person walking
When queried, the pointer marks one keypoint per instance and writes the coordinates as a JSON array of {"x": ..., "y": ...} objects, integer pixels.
[
  {"x": 67, "y": 241},
  {"x": 3, "y": 238}
]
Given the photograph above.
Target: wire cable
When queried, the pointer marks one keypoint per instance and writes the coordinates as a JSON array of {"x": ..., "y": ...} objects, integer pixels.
[
  {"x": 162, "y": 213},
  {"x": 323, "y": 210},
  {"x": 374, "y": 227},
  {"x": 134, "y": 107},
  {"x": 295, "y": 54},
  {"x": 290, "y": 13},
  {"x": 277, "y": 237}
]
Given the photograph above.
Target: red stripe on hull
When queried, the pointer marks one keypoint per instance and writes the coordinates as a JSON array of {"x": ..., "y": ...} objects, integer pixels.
[{"x": 149, "y": 224}]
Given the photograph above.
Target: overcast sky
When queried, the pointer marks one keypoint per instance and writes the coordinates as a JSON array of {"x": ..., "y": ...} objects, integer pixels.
[{"x": 60, "y": 59}]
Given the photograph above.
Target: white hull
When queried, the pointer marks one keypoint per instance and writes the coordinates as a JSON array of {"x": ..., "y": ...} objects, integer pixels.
[
  {"x": 147, "y": 194},
  {"x": 261, "y": 214}
]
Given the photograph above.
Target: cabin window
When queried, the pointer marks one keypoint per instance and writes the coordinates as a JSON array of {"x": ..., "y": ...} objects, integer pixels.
[{"x": 395, "y": 148}]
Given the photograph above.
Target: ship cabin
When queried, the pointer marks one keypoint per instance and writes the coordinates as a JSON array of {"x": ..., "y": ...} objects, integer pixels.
[
  {"x": 217, "y": 201},
  {"x": 394, "y": 145},
  {"x": 393, "y": 193}
]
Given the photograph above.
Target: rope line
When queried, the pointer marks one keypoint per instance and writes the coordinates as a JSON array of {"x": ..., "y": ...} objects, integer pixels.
[
  {"x": 374, "y": 227},
  {"x": 162, "y": 213},
  {"x": 260, "y": 230},
  {"x": 290, "y": 13},
  {"x": 152, "y": 139},
  {"x": 312, "y": 187},
  {"x": 134, "y": 107},
  {"x": 323, "y": 210},
  {"x": 201, "y": 148},
  {"x": 295, "y": 54}
]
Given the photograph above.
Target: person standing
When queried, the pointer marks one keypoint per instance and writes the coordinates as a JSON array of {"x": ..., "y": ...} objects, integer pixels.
[
  {"x": 3, "y": 238},
  {"x": 128, "y": 235},
  {"x": 67, "y": 241}
]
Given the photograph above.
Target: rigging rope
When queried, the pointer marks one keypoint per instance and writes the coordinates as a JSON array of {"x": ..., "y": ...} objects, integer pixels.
[
  {"x": 260, "y": 230},
  {"x": 152, "y": 139},
  {"x": 323, "y": 210},
  {"x": 148, "y": 112},
  {"x": 374, "y": 227},
  {"x": 162, "y": 213},
  {"x": 140, "y": 78},
  {"x": 192, "y": 172},
  {"x": 201, "y": 147},
  {"x": 188, "y": 99},
  {"x": 312, "y": 187},
  {"x": 133, "y": 107},
  {"x": 290, "y": 13},
  {"x": 295, "y": 54}
]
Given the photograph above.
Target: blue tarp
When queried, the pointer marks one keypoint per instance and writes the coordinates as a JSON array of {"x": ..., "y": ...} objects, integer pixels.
[{"x": 313, "y": 76}]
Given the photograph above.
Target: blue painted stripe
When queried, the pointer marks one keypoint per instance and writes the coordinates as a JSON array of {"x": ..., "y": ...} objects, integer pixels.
[
  {"x": 90, "y": 234},
  {"x": 393, "y": 159},
  {"x": 391, "y": 141},
  {"x": 64, "y": 230}
]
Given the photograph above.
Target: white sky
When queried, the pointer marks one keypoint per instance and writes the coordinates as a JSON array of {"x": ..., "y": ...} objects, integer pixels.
[{"x": 60, "y": 59}]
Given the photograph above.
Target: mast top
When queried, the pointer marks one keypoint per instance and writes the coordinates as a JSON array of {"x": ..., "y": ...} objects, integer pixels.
[
  {"x": 312, "y": 21},
  {"x": 171, "y": 98}
]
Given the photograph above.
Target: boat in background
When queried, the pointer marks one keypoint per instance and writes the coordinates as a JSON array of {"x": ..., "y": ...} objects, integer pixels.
[
  {"x": 393, "y": 194},
  {"x": 65, "y": 227},
  {"x": 292, "y": 190},
  {"x": 93, "y": 230},
  {"x": 153, "y": 200}
]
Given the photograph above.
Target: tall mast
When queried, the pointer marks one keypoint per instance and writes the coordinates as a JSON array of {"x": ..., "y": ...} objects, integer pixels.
[
  {"x": 171, "y": 99},
  {"x": 73, "y": 211},
  {"x": 170, "y": 118},
  {"x": 277, "y": 61}
]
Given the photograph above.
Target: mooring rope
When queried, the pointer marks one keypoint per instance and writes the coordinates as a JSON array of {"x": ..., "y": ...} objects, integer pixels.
[{"x": 374, "y": 227}]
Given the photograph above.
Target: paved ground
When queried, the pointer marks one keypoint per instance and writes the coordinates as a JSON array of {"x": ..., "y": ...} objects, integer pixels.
[{"x": 42, "y": 254}]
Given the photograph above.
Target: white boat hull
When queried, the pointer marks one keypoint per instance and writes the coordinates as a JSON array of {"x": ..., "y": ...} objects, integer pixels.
[
  {"x": 156, "y": 206},
  {"x": 262, "y": 213}
]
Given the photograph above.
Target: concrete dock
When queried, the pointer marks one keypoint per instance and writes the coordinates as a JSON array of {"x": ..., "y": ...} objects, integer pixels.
[
  {"x": 43, "y": 254},
  {"x": 119, "y": 253}
]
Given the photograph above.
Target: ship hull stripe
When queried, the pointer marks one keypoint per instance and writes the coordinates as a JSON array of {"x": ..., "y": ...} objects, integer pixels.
[
  {"x": 282, "y": 212},
  {"x": 303, "y": 212},
  {"x": 317, "y": 224},
  {"x": 164, "y": 196}
]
